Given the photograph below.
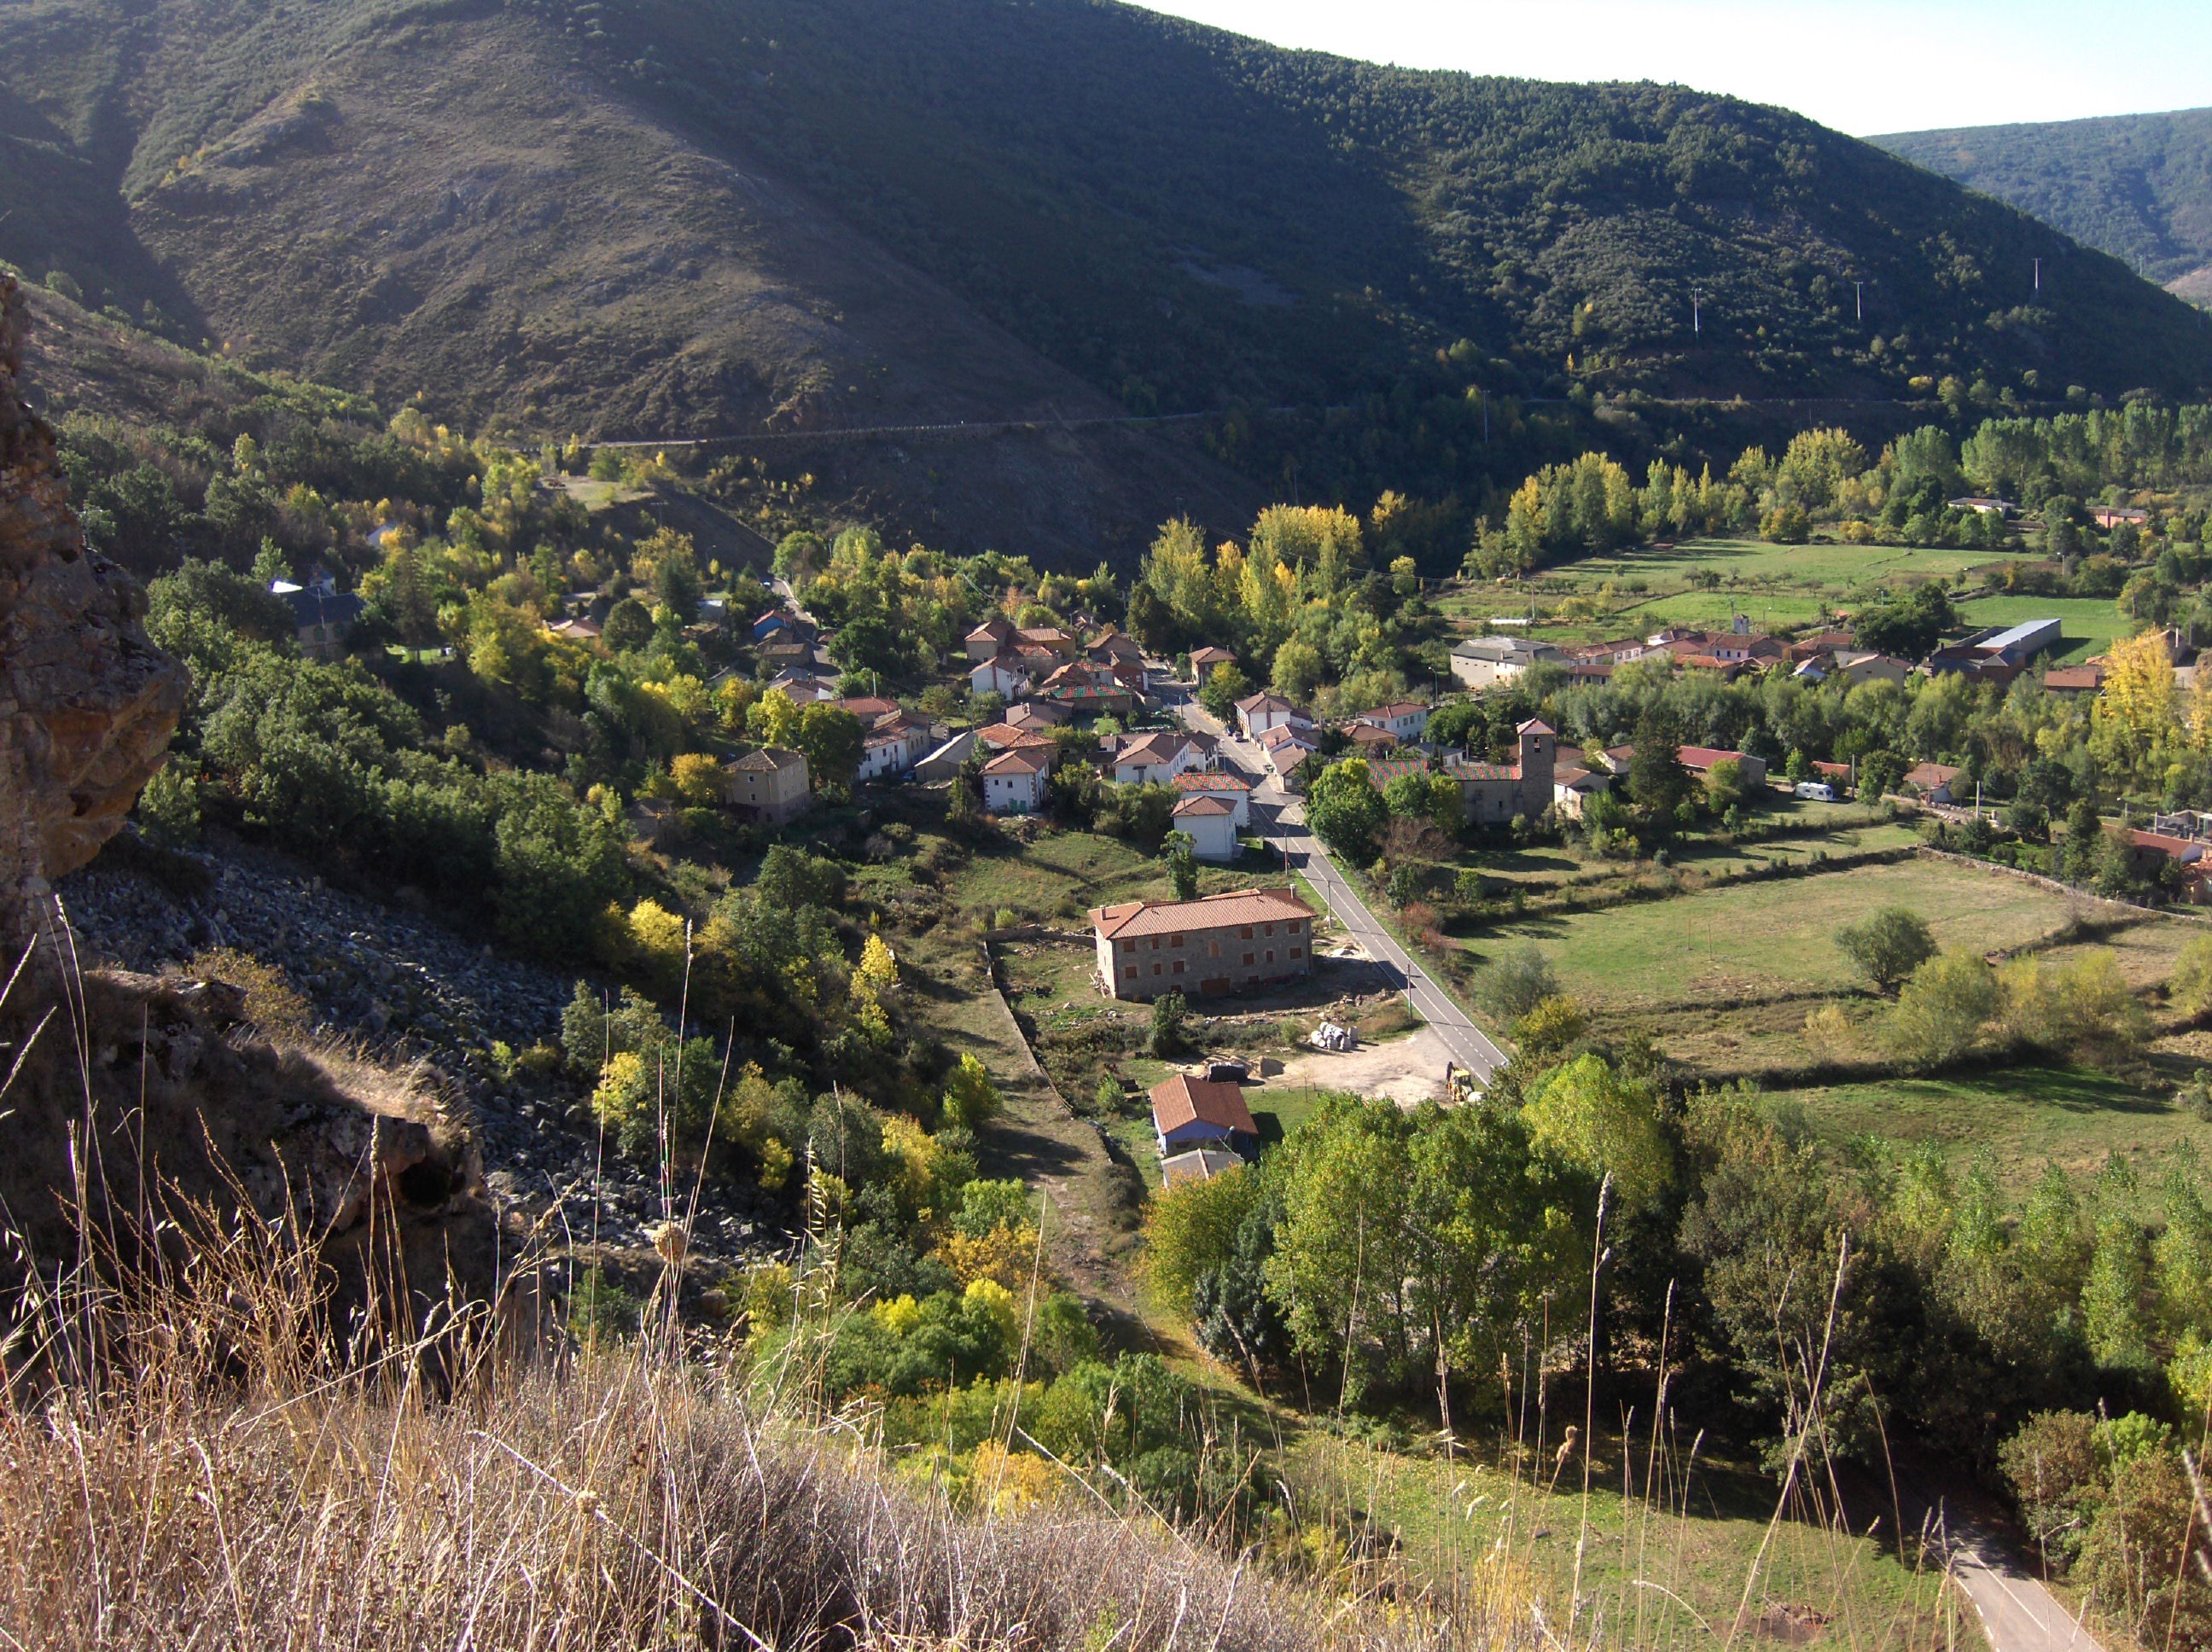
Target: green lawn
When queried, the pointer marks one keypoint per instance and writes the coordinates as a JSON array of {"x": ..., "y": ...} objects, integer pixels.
[
  {"x": 2091, "y": 623},
  {"x": 1721, "y": 944}
]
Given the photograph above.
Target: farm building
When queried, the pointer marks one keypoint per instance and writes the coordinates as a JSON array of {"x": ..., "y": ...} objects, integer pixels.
[{"x": 1484, "y": 662}]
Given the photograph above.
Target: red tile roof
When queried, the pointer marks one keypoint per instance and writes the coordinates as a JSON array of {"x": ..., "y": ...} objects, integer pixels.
[
  {"x": 1183, "y": 1100},
  {"x": 1232, "y": 908}
]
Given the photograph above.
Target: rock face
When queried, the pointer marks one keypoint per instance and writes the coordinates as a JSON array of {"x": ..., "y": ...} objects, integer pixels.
[{"x": 87, "y": 702}]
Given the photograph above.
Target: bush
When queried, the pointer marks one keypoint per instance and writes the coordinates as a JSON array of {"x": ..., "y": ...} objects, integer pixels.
[
  {"x": 1888, "y": 946},
  {"x": 1515, "y": 982},
  {"x": 1941, "y": 1010}
]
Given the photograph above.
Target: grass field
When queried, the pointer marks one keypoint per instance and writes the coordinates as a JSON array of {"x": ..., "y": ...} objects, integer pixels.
[
  {"x": 1706, "y": 582},
  {"x": 1663, "y": 1570},
  {"x": 2091, "y": 624},
  {"x": 2024, "y": 1118},
  {"x": 1755, "y": 937}
]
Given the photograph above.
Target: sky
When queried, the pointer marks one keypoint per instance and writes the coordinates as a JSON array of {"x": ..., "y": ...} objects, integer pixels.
[{"x": 1866, "y": 67}]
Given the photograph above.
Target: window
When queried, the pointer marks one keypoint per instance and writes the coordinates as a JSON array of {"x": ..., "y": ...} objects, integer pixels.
[
  {"x": 1128, "y": 946},
  {"x": 1178, "y": 968},
  {"x": 1291, "y": 928},
  {"x": 1155, "y": 969},
  {"x": 1213, "y": 948},
  {"x": 1270, "y": 929},
  {"x": 1297, "y": 952},
  {"x": 1271, "y": 955},
  {"x": 1245, "y": 934},
  {"x": 1247, "y": 957},
  {"x": 1174, "y": 940},
  {"x": 1156, "y": 947}
]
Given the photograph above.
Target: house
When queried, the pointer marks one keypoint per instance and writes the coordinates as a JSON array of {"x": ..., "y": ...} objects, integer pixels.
[
  {"x": 1367, "y": 740},
  {"x": 1933, "y": 781},
  {"x": 1484, "y": 662},
  {"x": 2151, "y": 853},
  {"x": 1190, "y": 1113},
  {"x": 1700, "y": 759},
  {"x": 322, "y": 614},
  {"x": 1997, "y": 507},
  {"x": 1214, "y": 944},
  {"x": 1154, "y": 759},
  {"x": 1838, "y": 775},
  {"x": 945, "y": 761},
  {"x": 1038, "y": 716},
  {"x": 804, "y": 688},
  {"x": 1572, "y": 787},
  {"x": 1197, "y": 1165},
  {"x": 1857, "y": 665},
  {"x": 2075, "y": 679},
  {"x": 1209, "y": 819},
  {"x": 1492, "y": 794},
  {"x": 1001, "y": 674},
  {"x": 1204, "y": 659},
  {"x": 990, "y": 639},
  {"x": 1050, "y": 638},
  {"x": 1620, "y": 652},
  {"x": 1235, "y": 787},
  {"x": 1286, "y": 747},
  {"x": 1005, "y": 737},
  {"x": 1014, "y": 780},
  {"x": 784, "y": 624},
  {"x": 1257, "y": 713},
  {"x": 769, "y": 785},
  {"x": 870, "y": 709},
  {"x": 891, "y": 748},
  {"x": 1405, "y": 720},
  {"x": 581, "y": 628},
  {"x": 2110, "y": 516},
  {"x": 1115, "y": 648}
]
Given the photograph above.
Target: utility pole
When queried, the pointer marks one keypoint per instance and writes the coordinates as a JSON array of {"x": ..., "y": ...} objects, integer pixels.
[
  {"x": 1858, "y": 298},
  {"x": 2039, "y": 275},
  {"x": 1696, "y": 318}
]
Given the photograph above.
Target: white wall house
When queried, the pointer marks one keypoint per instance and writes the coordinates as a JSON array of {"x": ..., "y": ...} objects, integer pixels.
[
  {"x": 1013, "y": 781},
  {"x": 1405, "y": 720},
  {"x": 1211, "y": 821},
  {"x": 1155, "y": 760},
  {"x": 999, "y": 676},
  {"x": 1259, "y": 712}
]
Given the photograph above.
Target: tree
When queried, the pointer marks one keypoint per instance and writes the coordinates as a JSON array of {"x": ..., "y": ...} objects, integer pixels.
[
  {"x": 629, "y": 627},
  {"x": 1431, "y": 798},
  {"x": 1345, "y": 811},
  {"x": 1909, "y": 627},
  {"x": 1515, "y": 982},
  {"x": 2085, "y": 841},
  {"x": 1299, "y": 670},
  {"x": 832, "y": 740},
  {"x": 1887, "y": 947},
  {"x": 1941, "y": 1010},
  {"x": 1169, "y": 1013},
  {"x": 1191, "y": 1230},
  {"x": 1182, "y": 865},
  {"x": 1656, "y": 777},
  {"x": 1225, "y": 686},
  {"x": 1590, "y": 1116}
]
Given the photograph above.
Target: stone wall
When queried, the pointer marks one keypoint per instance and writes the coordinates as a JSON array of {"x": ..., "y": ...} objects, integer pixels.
[{"x": 87, "y": 702}]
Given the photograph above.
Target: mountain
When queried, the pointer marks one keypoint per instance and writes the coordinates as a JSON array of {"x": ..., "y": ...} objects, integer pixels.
[
  {"x": 657, "y": 217},
  {"x": 2137, "y": 186}
]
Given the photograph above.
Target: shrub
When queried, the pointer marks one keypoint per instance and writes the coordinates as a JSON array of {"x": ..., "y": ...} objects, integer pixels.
[
  {"x": 1888, "y": 946},
  {"x": 1941, "y": 1010},
  {"x": 1515, "y": 982}
]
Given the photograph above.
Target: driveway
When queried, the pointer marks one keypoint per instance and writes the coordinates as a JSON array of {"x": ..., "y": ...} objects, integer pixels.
[{"x": 1280, "y": 818}]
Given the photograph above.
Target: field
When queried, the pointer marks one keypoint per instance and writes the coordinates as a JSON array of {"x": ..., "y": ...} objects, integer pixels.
[
  {"x": 2090, "y": 622},
  {"x": 1704, "y": 583},
  {"x": 1659, "y": 1569},
  {"x": 1777, "y": 936}
]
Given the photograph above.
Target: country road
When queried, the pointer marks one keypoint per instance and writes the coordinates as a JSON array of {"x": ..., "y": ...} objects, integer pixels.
[{"x": 1280, "y": 818}]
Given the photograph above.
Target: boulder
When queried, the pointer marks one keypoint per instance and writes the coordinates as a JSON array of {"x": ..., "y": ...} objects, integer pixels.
[{"x": 87, "y": 703}]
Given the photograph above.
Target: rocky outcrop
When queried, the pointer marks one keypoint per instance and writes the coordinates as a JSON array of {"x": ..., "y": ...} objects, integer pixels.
[{"x": 87, "y": 702}]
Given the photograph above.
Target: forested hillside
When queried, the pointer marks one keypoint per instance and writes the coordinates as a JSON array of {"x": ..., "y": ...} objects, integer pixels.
[
  {"x": 653, "y": 218},
  {"x": 2138, "y": 186}
]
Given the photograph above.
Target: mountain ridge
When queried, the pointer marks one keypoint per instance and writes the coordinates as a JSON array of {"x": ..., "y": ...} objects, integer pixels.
[{"x": 655, "y": 218}]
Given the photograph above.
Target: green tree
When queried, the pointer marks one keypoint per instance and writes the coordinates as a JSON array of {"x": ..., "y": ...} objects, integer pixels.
[
  {"x": 1169, "y": 1014},
  {"x": 1345, "y": 811},
  {"x": 1225, "y": 686},
  {"x": 1182, "y": 865},
  {"x": 1941, "y": 1010},
  {"x": 1656, "y": 777},
  {"x": 1588, "y": 1115},
  {"x": 629, "y": 627},
  {"x": 1191, "y": 1230},
  {"x": 1888, "y": 945},
  {"x": 1515, "y": 982},
  {"x": 832, "y": 740}
]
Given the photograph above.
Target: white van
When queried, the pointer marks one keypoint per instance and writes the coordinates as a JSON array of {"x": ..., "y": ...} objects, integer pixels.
[{"x": 1816, "y": 791}]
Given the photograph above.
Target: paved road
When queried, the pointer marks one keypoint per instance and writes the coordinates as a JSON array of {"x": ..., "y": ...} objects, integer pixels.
[
  {"x": 2018, "y": 1614},
  {"x": 1280, "y": 818}
]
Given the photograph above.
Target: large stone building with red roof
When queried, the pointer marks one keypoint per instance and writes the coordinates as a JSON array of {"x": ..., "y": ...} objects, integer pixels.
[{"x": 1205, "y": 947}]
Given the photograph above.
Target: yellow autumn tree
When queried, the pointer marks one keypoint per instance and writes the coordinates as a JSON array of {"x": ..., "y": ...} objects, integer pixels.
[
  {"x": 698, "y": 778},
  {"x": 2134, "y": 716}
]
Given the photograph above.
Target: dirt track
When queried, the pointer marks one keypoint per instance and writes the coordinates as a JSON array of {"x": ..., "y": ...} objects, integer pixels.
[{"x": 1408, "y": 1069}]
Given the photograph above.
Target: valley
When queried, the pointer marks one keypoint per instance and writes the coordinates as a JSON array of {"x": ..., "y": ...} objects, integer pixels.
[{"x": 957, "y": 825}]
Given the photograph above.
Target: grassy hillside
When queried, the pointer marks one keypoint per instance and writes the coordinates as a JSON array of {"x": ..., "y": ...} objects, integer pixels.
[
  {"x": 2138, "y": 186},
  {"x": 653, "y": 217}
]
